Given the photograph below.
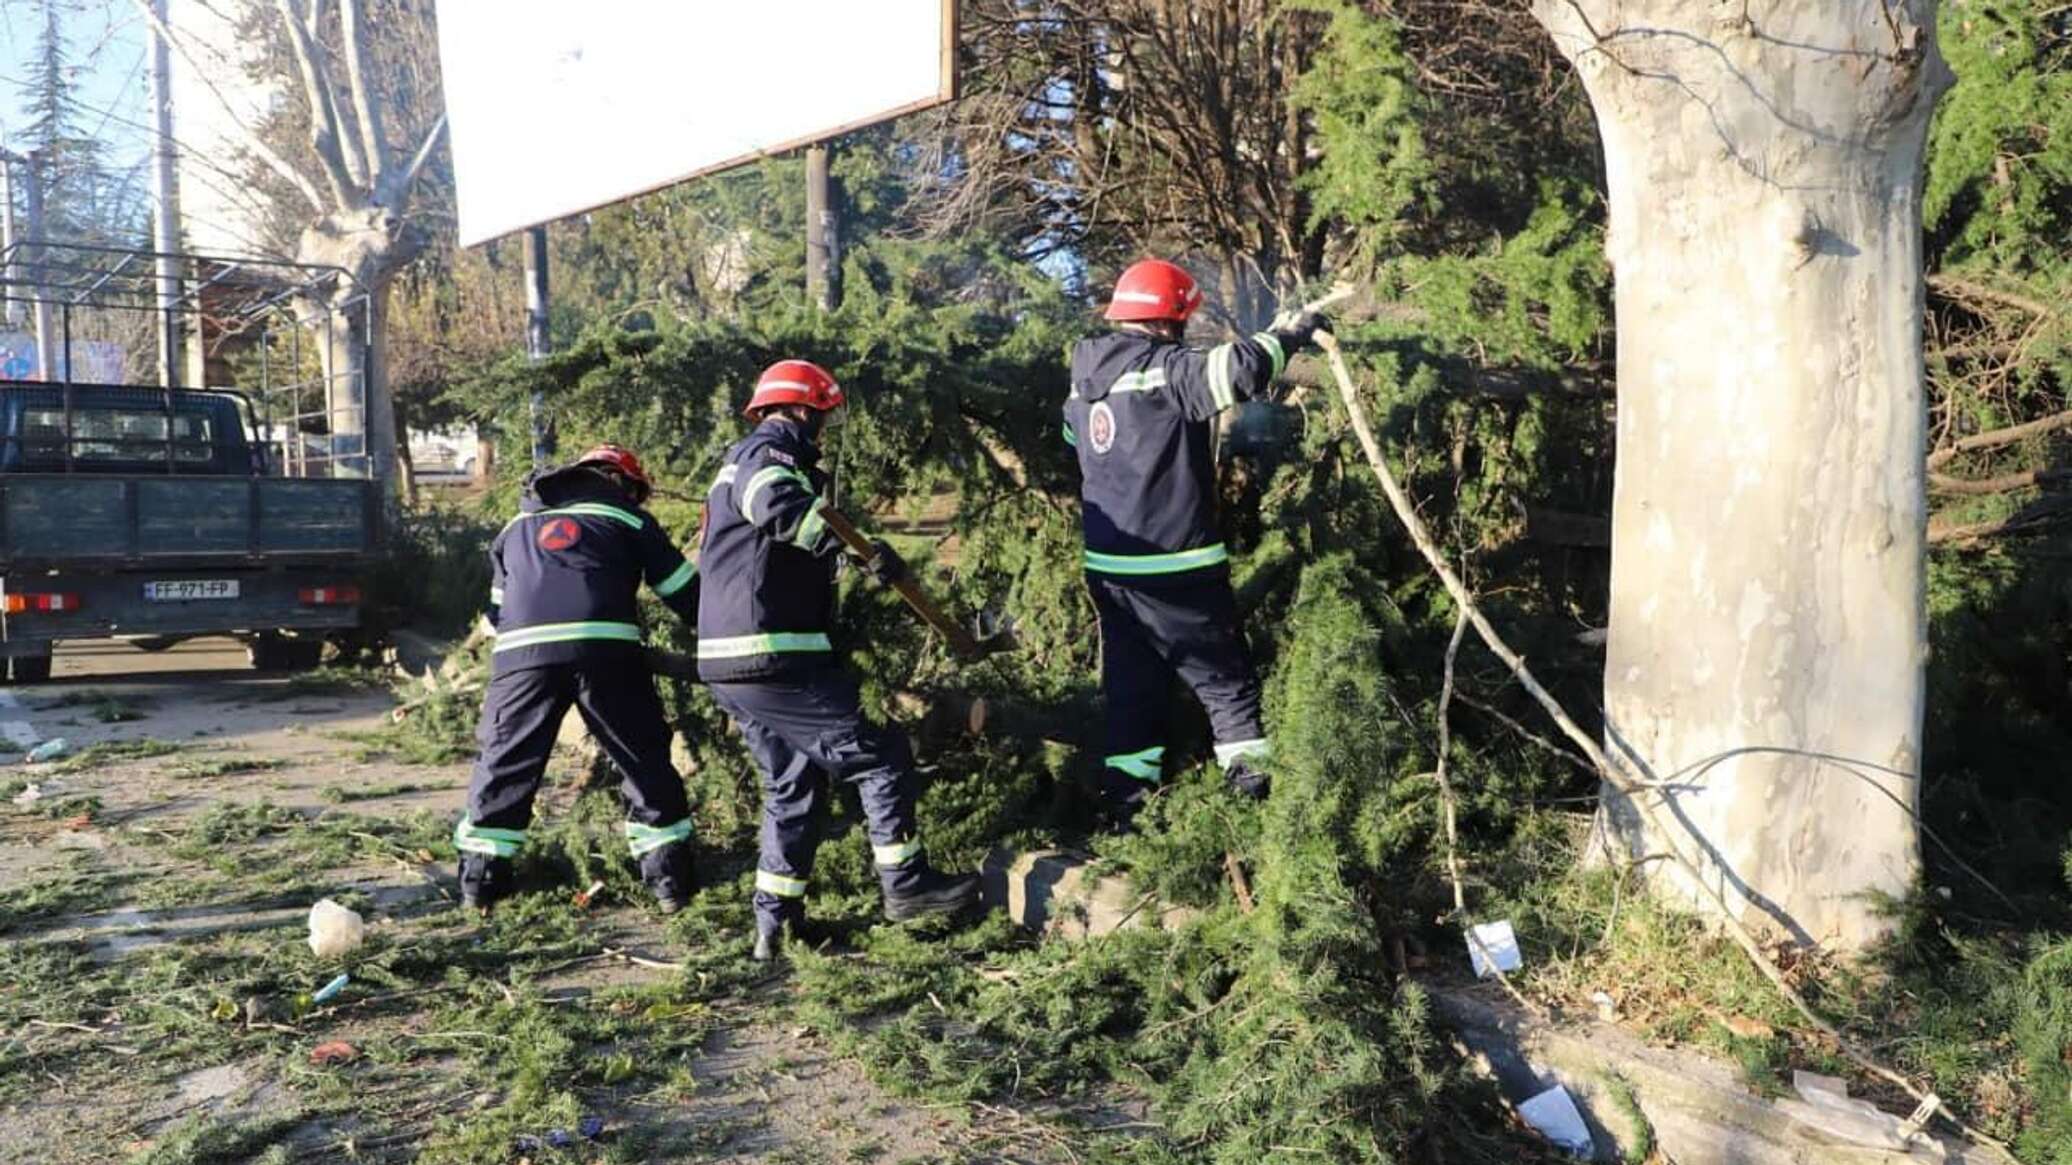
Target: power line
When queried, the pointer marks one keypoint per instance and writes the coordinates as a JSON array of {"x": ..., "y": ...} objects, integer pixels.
[
  {"x": 120, "y": 92},
  {"x": 187, "y": 150},
  {"x": 188, "y": 153}
]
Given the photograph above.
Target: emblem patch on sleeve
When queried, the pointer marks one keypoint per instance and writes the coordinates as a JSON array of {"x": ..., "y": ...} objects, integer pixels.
[{"x": 1100, "y": 427}]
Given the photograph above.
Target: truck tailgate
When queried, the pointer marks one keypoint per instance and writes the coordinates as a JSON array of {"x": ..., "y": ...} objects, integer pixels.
[{"x": 55, "y": 519}]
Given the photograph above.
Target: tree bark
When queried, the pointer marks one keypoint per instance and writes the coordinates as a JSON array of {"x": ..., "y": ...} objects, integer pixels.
[
  {"x": 1764, "y": 165},
  {"x": 356, "y": 393}
]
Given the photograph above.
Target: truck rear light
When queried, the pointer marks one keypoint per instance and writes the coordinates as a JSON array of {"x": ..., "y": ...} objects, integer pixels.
[
  {"x": 330, "y": 596},
  {"x": 42, "y": 604}
]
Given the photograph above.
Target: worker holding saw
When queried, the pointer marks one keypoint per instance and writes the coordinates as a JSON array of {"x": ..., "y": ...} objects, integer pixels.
[
  {"x": 1139, "y": 415},
  {"x": 768, "y": 562},
  {"x": 564, "y": 581}
]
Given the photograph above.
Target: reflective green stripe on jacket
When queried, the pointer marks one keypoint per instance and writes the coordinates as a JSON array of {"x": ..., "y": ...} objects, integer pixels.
[
  {"x": 587, "y": 509},
  {"x": 677, "y": 581}
]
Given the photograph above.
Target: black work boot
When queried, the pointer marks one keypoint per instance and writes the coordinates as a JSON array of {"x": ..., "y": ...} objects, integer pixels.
[
  {"x": 1122, "y": 797},
  {"x": 772, "y": 933},
  {"x": 667, "y": 871},
  {"x": 484, "y": 881},
  {"x": 1246, "y": 781},
  {"x": 931, "y": 893},
  {"x": 1118, "y": 816}
]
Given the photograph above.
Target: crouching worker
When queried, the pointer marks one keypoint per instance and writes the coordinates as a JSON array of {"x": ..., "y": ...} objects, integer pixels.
[
  {"x": 768, "y": 563},
  {"x": 565, "y": 574},
  {"x": 1139, "y": 414}
]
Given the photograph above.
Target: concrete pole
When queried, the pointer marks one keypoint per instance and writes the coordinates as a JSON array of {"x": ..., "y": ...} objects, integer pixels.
[
  {"x": 32, "y": 206},
  {"x": 165, "y": 208},
  {"x": 536, "y": 343},
  {"x": 823, "y": 233},
  {"x": 10, "y": 311}
]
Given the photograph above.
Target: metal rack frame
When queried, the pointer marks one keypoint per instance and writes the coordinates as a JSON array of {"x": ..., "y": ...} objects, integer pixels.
[{"x": 231, "y": 298}]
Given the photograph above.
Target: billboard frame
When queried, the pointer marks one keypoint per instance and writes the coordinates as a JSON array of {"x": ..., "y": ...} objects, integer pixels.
[{"x": 946, "y": 93}]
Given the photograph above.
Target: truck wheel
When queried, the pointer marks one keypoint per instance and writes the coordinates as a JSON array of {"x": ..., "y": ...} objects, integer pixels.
[
  {"x": 30, "y": 669},
  {"x": 273, "y": 651},
  {"x": 157, "y": 643}
]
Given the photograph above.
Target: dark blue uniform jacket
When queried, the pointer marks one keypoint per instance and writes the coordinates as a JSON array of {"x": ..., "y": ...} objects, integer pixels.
[
  {"x": 767, "y": 562},
  {"x": 565, "y": 573},
  {"x": 1139, "y": 415}
]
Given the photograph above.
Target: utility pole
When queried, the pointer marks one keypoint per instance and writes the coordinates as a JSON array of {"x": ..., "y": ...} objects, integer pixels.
[
  {"x": 10, "y": 311},
  {"x": 32, "y": 200},
  {"x": 823, "y": 232},
  {"x": 165, "y": 211},
  {"x": 536, "y": 346}
]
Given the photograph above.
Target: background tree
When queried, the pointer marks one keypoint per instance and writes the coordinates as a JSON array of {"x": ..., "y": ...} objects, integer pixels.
[{"x": 372, "y": 119}]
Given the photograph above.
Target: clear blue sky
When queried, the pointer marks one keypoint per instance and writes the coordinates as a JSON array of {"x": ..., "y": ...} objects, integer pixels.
[{"x": 106, "y": 41}]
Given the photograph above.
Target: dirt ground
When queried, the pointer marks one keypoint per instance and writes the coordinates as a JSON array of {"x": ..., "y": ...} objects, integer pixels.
[{"x": 158, "y": 995}]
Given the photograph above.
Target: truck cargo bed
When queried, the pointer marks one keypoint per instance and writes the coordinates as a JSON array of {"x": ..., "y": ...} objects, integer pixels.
[{"x": 163, "y": 520}]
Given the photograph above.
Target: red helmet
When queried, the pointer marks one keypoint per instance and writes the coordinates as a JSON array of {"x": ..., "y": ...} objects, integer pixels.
[
  {"x": 1153, "y": 289},
  {"x": 795, "y": 382},
  {"x": 622, "y": 459}
]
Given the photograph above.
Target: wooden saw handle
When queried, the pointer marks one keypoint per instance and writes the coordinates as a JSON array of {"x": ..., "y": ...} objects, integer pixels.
[{"x": 960, "y": 640}]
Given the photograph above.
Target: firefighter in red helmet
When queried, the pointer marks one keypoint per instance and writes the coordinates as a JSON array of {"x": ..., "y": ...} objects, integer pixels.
[
  {"x": 1139, "y": 415},
  {"x": 564, "y": 575},
  {"x": 767, "y": 564}
]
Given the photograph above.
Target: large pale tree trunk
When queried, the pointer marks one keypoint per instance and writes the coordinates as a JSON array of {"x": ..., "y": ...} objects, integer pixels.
[
  {"x": 369, "y": 245},
  {"x": 1768, "y": 628},
  {"x": 353, "y": 344}
]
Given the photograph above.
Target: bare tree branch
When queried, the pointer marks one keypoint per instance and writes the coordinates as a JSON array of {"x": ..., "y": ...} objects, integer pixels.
[
  {"x": 1995, "y": 438},
  {"x": 366, "y": 98},
  {"x": 250, "y": 137},
  {"x": 325, "y": 139},
  {"x": 394, "y": 191}
]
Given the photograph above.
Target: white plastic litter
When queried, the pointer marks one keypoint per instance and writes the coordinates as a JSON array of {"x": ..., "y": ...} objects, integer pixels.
[
  {"x": 1553, "y": 1113},
  {"x": 49, "y": 750},
  {"x": 334, "y": 929},
  {"x": 29, "y": 795},
  {"x": 1814, "y": 1088},
  {"x": 1501, "y": 945}
]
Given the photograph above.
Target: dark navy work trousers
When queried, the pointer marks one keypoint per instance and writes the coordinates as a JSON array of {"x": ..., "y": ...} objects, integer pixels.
[
  {"x": 1151, "y": 630},
  {"x": 804, "y": 729}
]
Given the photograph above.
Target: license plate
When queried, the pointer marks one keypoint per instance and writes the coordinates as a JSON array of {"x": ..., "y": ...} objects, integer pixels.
[{"x": 187, "y": 589}]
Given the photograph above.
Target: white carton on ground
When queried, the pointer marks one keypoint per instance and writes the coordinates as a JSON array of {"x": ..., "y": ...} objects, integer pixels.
[
  {"x": 1554, "y": 1114},
  {"x": 1500, "y": 944}
]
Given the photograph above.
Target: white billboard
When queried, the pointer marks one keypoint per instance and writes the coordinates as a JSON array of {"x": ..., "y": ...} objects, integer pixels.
[{"x": 557, "y": 107}]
